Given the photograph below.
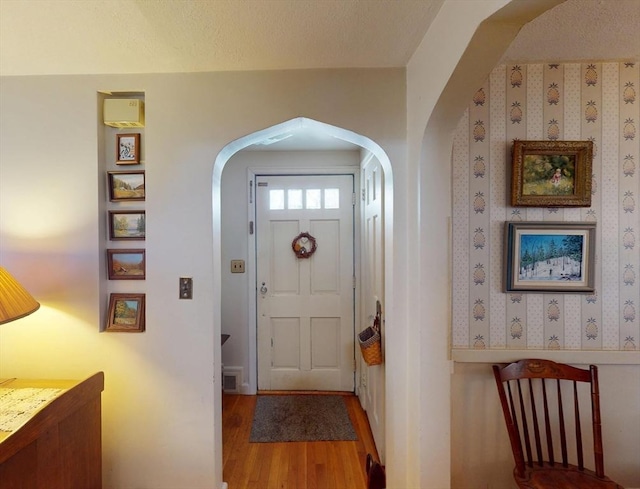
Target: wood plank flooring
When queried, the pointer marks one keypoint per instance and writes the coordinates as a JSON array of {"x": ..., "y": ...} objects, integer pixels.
[{"x": 292, "y": 465}]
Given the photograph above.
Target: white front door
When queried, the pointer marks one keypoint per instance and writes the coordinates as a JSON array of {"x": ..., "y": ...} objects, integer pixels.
[
  {"x": 372, "y": 392},
  {"x": 305, "y": 303}
]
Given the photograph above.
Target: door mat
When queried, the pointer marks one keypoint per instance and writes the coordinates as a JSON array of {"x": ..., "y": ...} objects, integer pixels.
[{"x": 280, "y": 418}]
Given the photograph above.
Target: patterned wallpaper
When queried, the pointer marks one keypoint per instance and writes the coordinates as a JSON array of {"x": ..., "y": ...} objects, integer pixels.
[{"x": 590, "y": 101}]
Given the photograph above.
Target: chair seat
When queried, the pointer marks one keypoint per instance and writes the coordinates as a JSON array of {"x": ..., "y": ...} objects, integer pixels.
[{"x": 559, "y": 477}]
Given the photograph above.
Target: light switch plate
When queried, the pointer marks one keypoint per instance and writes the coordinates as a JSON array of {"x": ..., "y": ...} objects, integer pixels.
[{"x": 186, "y": 288}]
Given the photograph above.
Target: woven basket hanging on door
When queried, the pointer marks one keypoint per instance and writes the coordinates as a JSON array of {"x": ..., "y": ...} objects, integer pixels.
[{"x": 371, "y": 344}]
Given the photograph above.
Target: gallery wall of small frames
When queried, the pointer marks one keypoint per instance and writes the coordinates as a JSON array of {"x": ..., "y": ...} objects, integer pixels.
[{"x": 126, "y": 229}]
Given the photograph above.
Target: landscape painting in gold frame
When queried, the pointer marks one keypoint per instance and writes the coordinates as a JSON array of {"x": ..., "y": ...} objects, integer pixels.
[{"x": 551, "y": 173}]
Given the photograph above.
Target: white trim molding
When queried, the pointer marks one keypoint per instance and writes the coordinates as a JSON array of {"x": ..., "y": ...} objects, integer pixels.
[{"x": 581, "y": 357}]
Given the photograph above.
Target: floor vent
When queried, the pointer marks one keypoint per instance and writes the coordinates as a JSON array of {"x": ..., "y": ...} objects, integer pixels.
[{"x": 231, "y": 381}]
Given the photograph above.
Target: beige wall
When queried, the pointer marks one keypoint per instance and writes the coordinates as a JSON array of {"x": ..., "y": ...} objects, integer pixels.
[
  {"x": 50, "y": 238},
  {"x": 160, "y": 418}
]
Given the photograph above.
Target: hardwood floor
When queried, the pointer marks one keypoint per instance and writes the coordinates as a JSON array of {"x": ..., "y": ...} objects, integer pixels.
[{"x": 292, "y": 465}]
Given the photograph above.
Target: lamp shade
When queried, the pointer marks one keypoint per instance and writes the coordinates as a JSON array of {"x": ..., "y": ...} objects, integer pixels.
[{"x": 15, "y": 301}]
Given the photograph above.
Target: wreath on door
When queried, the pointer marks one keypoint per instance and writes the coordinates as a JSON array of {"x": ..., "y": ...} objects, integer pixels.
[{"x": 304, "y": 245}]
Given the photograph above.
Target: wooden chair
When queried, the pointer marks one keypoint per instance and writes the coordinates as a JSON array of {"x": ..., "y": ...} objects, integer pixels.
[{"x": 531, "y": 394}]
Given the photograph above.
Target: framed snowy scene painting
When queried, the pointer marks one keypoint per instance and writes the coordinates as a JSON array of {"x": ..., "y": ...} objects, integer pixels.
[{"x": 549, "y": 256}]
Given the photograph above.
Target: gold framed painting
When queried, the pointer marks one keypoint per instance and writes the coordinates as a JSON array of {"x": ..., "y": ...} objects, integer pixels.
[{"x": 551, "y": 173}]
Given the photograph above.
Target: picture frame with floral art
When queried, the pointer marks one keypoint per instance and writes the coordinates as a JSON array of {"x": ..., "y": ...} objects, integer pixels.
[
  {"x": 128, "y": 149},
  {"x": 551, "y": 173}
]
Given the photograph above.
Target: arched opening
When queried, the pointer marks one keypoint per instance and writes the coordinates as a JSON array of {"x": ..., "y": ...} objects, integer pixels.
[
  {"x": 432, "y": 122},
  {"x": 299, "y": 131}
]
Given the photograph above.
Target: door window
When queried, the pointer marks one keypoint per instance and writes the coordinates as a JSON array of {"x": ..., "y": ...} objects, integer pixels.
[{"x": 312, "y": 199}]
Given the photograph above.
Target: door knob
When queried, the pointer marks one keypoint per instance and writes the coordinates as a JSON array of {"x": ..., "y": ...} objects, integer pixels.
[{"x": 263, "y": 289}]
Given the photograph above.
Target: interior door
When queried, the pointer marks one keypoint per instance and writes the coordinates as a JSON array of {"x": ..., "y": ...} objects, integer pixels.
[
  {"x": 372, "y": 390},
  {"x": 305, "y": 300}
]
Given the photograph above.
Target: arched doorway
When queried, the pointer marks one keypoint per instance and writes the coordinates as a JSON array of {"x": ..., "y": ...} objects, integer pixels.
[
  {"x": 298, "y": 131},
  {"x": 432, "y": 120}
]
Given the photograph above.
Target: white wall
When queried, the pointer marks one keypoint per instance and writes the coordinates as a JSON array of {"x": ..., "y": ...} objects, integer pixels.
[
  {"x": 430, "y": 125},
  {"x": 236, "y": 319},
  {"x": 160, "y": 422},
  {"x": 442, "y": 76}
]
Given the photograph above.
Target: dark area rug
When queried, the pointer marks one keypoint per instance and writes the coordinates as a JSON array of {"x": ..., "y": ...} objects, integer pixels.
[{"x": 301, "y": 418}]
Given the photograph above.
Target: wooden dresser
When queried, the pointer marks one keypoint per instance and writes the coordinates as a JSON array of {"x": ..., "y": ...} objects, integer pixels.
[{"x": 59, "y": 445}]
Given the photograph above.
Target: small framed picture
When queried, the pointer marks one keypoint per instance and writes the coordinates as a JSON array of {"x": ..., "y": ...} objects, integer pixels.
[
  {"x": 550, "y": 256},
  {"x": 127, "y": 225},
  {"x": 126, "y": 313},
  {"x": 551, "y": 173},
  {"x": 127, "y": 149},
  {"x": 126, "y": 185},
  {"x": 126, "y": 264}
]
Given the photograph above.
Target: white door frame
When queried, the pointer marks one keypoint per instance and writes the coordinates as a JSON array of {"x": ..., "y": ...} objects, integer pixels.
[
  {"x": 252, "y": 172},
  {"x": 390, "y": 317}
]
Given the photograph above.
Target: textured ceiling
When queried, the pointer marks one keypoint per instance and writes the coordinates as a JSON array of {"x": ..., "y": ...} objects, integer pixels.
[
  {"x": 580, "y": 30},
  {"x": 161, "y": 36},
  {"x": 153, "y": 36}
]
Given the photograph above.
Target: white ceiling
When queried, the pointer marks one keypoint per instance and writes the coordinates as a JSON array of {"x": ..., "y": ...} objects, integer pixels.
[{"x": 39, "y": 37}]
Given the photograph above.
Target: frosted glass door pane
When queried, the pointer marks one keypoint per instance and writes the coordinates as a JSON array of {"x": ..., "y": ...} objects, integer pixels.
[
  {"x": 295, "y": 199},
  {"x": 314, "y": 198},
  {"x": 276, "y": 199},
  {"x": 332, "y": 198}
]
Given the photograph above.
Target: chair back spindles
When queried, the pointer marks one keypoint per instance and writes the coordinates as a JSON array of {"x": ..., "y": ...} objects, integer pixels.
[
  {"x": 597, "y": 423},
  {"x": 536, "y": 426},
  {"x": 563, "y": 431},
  {"x": 525, "y": 426},
  {"x": 509, "y": 408},
  {"x": 576, "y": 405},
  {"x": 547, "y": 423},
  {"x": 533, "y": 405}
]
